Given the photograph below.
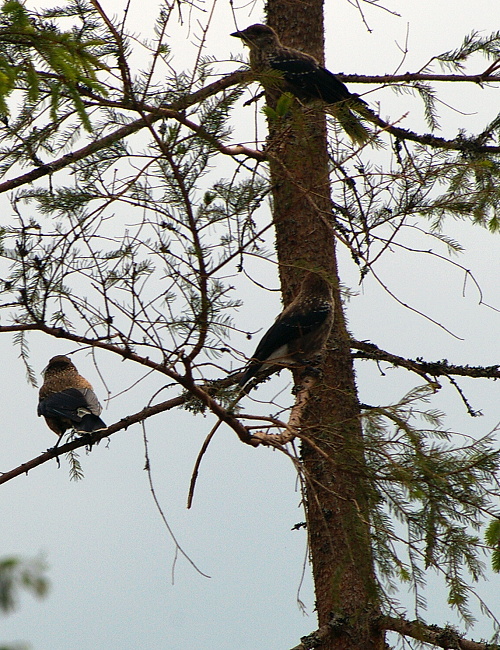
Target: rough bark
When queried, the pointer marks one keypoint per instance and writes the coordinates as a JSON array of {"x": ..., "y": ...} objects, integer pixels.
[{"x": 337, "y": 491}]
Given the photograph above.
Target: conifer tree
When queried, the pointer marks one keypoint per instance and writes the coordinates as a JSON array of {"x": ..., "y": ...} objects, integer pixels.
[{"x": 125, "y": 238}]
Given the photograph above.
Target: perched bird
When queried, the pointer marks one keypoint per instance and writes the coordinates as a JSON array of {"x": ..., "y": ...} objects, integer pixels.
[
  {"x": 300, "y": 332},
  {"x": 303, "y": 76},
  {"x": 67, "y": 400}
]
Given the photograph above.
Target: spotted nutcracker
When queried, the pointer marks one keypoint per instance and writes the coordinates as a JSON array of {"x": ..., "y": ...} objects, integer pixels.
[
  {"x": 67, "y": 400},
  {"x": 299, "y": 333},
  {"x": 304, "y": 77}
]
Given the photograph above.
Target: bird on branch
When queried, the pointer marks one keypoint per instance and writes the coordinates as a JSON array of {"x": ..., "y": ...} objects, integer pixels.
[
  {"x": 299, "y": 333},
  {"x": 304, "y": 77},
  {"x": 67, "y": 400}
]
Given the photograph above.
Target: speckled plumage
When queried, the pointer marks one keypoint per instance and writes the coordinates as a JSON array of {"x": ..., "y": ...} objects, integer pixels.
[
  {"x": 67, "y": 400},
  {"x": 303, "y": 76},
  {"x": 300, "y": 332}
]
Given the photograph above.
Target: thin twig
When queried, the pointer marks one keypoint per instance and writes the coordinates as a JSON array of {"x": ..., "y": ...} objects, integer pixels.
[{"x": 196, "y": 467}]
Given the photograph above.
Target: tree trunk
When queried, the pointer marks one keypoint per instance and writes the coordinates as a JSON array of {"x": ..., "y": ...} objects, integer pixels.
[{"x": 337, "y": 492}]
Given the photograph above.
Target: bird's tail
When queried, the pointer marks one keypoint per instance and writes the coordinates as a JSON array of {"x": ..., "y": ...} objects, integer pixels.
[
  {"x": 89, "y": 423},
  {"x": 351, "y": 123}
]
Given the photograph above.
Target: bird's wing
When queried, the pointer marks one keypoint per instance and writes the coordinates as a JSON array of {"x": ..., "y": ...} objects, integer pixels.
[
  {"x": 65, "y": 403},
  {"x": 312, "y": 79},
  {"x": 289, "y": 327},
  {"x": 92, "y": 401}
]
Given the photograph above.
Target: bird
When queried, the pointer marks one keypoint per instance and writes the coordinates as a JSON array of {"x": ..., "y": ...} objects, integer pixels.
[
  {"x": 67, "y": 400},
  {"x": 299, "y": 333},
  {"x": 304, "y": 77}
]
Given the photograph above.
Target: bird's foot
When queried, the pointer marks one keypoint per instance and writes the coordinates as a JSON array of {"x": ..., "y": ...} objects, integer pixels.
[
  {"x": 54, "y": 448},
  {"x": 87, "y": 437}
]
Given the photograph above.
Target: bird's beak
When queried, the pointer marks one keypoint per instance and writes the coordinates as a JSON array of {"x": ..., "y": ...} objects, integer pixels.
[{"x": 237, "y": 34}]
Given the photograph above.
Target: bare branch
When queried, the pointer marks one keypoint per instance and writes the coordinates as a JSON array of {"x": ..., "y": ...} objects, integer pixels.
[
  {"x": 442, "y": 368},
  {"x": 186, "y": 381},
  {"x": 92, "y": 438},
  {"x": 485, "y": 77},
  {"x": 446, "y": 637}
]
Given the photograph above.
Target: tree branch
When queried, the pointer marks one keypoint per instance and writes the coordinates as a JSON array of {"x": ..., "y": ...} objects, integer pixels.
[
  {"x": 442, "y": 368},
  {"x": 458, "y": 144},
  {"x": 79, "y": 154},
  {"x": 440, "y": 637},
  {"x": 292, "y": 428},
  {"x": 120, "y": 51},
  {"x": 416, "y": 76},
  {"x": 245, "y": 77},
  {"x": 446, "y": 637},
  {"x": 92, "y": 438},
  {"x": 124, "y": 131},
  {"x": 186, "y": 381}
]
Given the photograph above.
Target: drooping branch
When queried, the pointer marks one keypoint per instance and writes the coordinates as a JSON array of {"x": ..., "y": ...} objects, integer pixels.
[{"x": 455, "y": 144}]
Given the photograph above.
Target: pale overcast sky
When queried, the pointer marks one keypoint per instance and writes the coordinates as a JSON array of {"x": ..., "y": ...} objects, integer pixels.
[{"x": 110, "y": 556}]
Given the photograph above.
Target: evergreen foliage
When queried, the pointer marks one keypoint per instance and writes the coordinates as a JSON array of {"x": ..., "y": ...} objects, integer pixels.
[
  {"x": 135, "y": 250},
  {"x": 17, "y": 574},
  {"x": 43, "y": 62}
]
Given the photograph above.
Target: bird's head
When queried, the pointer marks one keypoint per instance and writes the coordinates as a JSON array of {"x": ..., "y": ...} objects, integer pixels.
[
  {"x": 58, "y": 364},
  {"x": 258, "y": 36},
  {"x": 316, "y": 285}
]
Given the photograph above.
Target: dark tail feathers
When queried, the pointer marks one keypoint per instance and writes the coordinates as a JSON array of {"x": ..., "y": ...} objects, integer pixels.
[{"x": 89, "y": 423}]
